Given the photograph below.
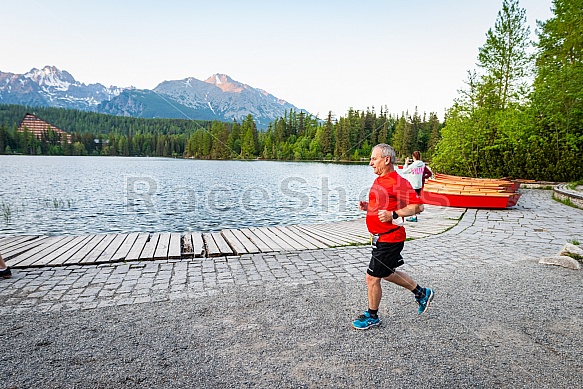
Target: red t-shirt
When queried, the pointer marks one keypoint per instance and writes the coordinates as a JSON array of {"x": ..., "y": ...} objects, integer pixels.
[{"x": 389, "y": 192}]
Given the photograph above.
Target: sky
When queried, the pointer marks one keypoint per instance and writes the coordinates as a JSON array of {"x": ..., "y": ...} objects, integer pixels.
[{"x": 319, "y": 55}]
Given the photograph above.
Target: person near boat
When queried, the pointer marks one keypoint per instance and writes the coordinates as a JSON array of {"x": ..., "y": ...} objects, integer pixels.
[
  {"x": 415, "y": 172},
  {"x": 390, "y": 197}
]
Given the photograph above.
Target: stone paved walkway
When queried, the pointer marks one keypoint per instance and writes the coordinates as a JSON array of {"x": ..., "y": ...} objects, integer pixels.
[{"x": 537, "y": 227}]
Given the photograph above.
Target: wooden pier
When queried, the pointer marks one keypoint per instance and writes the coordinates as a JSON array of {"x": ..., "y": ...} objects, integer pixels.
[{"x": 39, "y": 251}]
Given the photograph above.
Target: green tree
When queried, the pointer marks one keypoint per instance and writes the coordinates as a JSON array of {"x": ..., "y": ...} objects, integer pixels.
[
  {"x": 325, "y": 138},
  {"x": 434, "y": 128},
  {"x": 249, "y": 142},
  {"x": 234, "y": 140},
  {"x": 123, "y": 146},
  {"x": 78, "y": 149},
  {"x": 558, "y": 92},
  {"x": 504, "y": 57},
  {"x": 402, "y": 137},
  {"x": 220, "y": 135},
  {"x": 473, "y": 141},
  {"x": 342, "y": 146}
]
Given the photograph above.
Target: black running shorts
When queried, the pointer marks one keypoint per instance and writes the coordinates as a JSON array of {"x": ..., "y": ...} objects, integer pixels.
[{"x": 386, "y": 257}]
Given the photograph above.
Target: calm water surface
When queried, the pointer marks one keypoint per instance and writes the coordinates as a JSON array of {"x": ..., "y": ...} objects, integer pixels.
[{"x": 83, "y": 195}]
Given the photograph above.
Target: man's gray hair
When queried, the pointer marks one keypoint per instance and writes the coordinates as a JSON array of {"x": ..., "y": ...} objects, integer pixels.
[{"x": 386, "y": 151}]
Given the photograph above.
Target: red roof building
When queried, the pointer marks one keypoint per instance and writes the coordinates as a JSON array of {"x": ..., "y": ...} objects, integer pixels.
[{"x": 38, "y": 126}]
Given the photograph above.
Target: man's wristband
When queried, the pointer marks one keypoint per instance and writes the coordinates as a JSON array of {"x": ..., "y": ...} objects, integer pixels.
[{"x": 395, "y": 216}]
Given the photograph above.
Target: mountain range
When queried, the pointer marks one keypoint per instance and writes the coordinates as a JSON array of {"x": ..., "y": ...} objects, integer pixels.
[{"x": 218, "y": 97}]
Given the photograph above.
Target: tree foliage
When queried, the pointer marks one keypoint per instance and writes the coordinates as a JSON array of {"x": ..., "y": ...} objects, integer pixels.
[
  {"x": 500, "y": 125},
  {"x": 558, "y": 90}
]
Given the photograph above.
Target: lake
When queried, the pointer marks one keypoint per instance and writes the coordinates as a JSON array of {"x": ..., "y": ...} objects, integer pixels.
[{"x": 57, "y": 195}]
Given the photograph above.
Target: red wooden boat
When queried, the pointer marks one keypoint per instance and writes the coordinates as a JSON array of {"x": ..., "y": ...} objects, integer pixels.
[
  {"x": 467, "y": 192},
  {"x": 513, "y": 185},
  {"x": 471, "y": 200}
]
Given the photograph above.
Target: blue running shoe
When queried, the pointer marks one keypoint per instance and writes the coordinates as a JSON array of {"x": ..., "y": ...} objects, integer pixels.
[
  {"x": 425, "y": 301},
  {"x": 365, "y": 321}
]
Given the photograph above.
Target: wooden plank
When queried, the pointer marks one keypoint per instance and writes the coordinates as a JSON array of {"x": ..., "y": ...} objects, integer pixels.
[
  {"x": 161, "y": 251},
  {"x": 305, "y": 236},
  {"x": 312, "y": 235},
  {"x": 92, "y": 256},
  {"x": 249, "y": 246},
  {"x": 6, "y": 239},
  {"x": 222, "y": 244},
  {"x": 359, "y": 233},
  {"x": 14, "y": 241},
  {"x": 287, "y": 242},
  {"x": 25, "y": 244},
  {"x": 175, "y": 248},
  {"x": 187, "y": 246},
  {"x": 125, "y": 248},
  {"x": 58, "y": 257},
  {"x": 10, "y": 242},
  {"x": 46, "y": 251},
  {"x": 334, "y": 233},
  {"x": 86, "y": 249},
  {"x": 350, "y": 230},
  {"x": 48, "y": 242},
  {"x": 346, "y": 235},
  {"x": 137, "y": 247},
  {"x": 300, "y": 239},
  {"x": 267, "y": 239},
  {"x": 23, "y": 247},
  {"x": 150, "y": 248},
  {"x": 324, "y": 234},
  {"x": 354, "y": 228},
  {"x": 77, "y": 246},
  {"x": 232, "y": 240},
  {"x": 198, "y": 244},
  {"x": 111, "y": 249},
  {"x": 257, "y": 241},
  {"x": 212, "y": 250}
]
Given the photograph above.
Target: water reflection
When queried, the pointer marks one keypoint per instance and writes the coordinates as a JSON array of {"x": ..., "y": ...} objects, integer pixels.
[{"x": 81, "y": 195}]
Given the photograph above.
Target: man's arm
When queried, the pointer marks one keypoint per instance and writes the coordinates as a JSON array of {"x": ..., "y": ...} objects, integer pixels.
[{"x": 409, "y": 210}]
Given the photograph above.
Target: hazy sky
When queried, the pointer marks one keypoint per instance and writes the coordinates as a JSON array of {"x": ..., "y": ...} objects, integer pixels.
[{"x": 318, "y": 55}]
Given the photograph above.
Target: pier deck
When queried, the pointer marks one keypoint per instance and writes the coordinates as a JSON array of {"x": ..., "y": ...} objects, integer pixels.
[{"x": 38, "y": 251}]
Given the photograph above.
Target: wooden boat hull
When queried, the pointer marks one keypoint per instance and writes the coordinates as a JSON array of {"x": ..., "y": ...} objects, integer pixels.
[
  {"x": 510, "y": 185},
  {"x": 471, "y": 200}
]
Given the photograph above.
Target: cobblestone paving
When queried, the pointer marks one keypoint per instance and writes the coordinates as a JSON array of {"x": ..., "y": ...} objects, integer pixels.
[{"x": 537, "y": 227}]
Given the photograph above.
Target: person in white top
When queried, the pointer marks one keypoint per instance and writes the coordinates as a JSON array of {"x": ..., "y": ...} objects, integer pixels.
[{"x": 414, "y": 174}]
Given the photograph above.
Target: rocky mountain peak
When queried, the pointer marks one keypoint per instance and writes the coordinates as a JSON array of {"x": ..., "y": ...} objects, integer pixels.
[
  {"x": 51, "y": 76},
  {"x": 226, "y": 83}
]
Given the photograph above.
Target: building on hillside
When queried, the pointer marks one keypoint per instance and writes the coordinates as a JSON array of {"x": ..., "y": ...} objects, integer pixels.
[{"x": 39, "y": 127}]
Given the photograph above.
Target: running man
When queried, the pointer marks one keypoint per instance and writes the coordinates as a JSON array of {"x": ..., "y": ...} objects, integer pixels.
[{"x": 391, "y": 196}]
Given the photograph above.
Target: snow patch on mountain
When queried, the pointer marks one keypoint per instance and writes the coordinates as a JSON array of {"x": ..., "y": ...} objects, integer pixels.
[{"x": 50, "y": 77}]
